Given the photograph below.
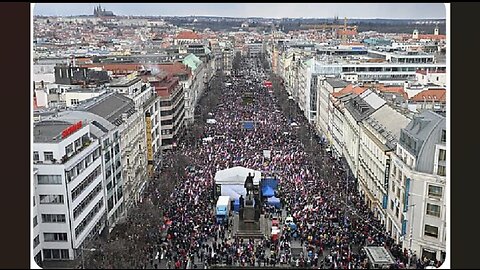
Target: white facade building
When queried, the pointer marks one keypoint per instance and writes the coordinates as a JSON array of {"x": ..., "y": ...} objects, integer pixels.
[
  {"x": 68, "y": 192},
  {"x": 417, "y": 202}
]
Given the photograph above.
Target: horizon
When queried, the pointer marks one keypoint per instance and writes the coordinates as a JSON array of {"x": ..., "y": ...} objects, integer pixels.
[{"x": 377, "y": 11}]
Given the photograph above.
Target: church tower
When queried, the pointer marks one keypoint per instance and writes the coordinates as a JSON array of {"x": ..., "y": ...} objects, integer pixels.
[{"x": 415, "y": 34}]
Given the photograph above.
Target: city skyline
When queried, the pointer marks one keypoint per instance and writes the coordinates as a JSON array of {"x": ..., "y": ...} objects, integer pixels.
[{"x": 267, "y": 10}]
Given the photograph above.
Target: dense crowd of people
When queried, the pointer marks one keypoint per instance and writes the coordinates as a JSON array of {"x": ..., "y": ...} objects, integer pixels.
[{"x": 332, "y": 221}]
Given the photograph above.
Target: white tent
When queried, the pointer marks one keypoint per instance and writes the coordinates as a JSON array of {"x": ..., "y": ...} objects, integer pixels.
[{"x": 232, "y": 181}]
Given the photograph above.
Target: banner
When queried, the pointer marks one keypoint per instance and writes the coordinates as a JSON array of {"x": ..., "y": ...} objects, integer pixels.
[
  {"x": 148, "y": 129},
  {"x": 407, "y": 190}
]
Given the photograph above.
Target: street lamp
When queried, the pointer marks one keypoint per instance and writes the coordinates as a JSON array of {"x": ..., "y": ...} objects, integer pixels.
[{"x": 411, "y": 233}]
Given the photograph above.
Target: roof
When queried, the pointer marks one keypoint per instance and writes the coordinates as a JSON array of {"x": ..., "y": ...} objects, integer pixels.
[
  {"x": 188, "y": 35},
  {"x": 388, "y": 122},
  {"x": 192, "y": 61},
  {"x": 364, "y": 104},
  {"x": 111, "y": 107},
  {"x": 174, "y": 69},
  {"x": 420, "y": 138},
  {"x": 236, "y": 176},
  {"x": 430, "y": 95},
  {"x": 347, "y": 32},
  {"x": 350, "y": 89},
  {"x": 379, "y": 255},
  {"x": 49, "y": 131},
  {"x": 337, "y": 83},
  {"x": 431, "y": 36},
  {"x": 393, "y": 89}
]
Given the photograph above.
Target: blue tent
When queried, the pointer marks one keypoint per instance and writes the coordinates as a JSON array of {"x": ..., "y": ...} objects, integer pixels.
[
  {"x": 271, "y": 182},
  {"x": 274, "y": 201},
  {"x": 248, "y": 125},
  {"x": 267, "y": 191}
]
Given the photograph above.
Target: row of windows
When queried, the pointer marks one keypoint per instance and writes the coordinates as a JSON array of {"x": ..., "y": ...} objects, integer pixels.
[
  {"x": 53, "y": 218},
  {"x": 82, "y": 165},
  {"x": 55, "y": 237},
  {"x": 51, "y": 199},
  {"x": 79, "y": 209},
  {"x": 81, "y": 227},
  {"x": 86, "y": 182},
  {"x": 55, "y": 254},
  {"x": 49, "y": 179}
]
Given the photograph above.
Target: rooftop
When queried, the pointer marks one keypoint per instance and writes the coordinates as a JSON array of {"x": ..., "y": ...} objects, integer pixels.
[
  {"x": 187, "y": 35},
  {"x": 430, "y": 95},
  {"x": 49, "y": 131},
  {"x": 110, "y": 106}
]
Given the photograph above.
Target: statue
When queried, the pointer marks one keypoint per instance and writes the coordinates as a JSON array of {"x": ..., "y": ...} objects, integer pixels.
[{"x": 249, "y": 184}]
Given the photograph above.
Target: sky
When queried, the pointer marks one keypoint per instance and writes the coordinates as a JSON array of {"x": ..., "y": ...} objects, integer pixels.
[{"x": 267, "y": 10}]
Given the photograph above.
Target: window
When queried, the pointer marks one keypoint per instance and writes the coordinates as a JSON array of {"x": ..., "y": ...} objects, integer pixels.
[
  {"x": 391, "y": 205},
  {"x": 55, "y": 237},
  {"x": 444, "y": 136},
  {"x": 442, "y": 155},
  {"x": 74, "y": 101},
  {"x": 49, "y": 179},
  {"x": 35, "y": 222},
  {"x": 86, "y": 182},
  {"x": 397, "y": 212},
  {"x": 36, "y": 241},
  {"x": 81, "y": 227},
  {"x": 48, "y": 155},
  {"x": 393, "y": 186},
  {"x": 69, "y": 149},
  {"x": 53, "y": 218},
  {"x": 441, "y": 170},
  {"x": 51, "y": 199},
  {"x": 433, "y": 210},
  {"x": 84, "y": 203},
  {"x": 35, "y": 156},
  {"x": 55, "y": 254},
  {"x": 434, "y": 191},
  {"x": 431, "y": 231}
]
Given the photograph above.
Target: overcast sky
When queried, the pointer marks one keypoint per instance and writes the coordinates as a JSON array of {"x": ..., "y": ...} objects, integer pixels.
[{"x": 268, "y": 10}]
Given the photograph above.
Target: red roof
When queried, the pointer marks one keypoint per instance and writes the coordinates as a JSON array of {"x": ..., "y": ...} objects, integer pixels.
[
  {"x": 430, "y": 36},
  {"x": 187, "y": 35},
  {"x": 393, "y": 89},
  {"x": 347, "y": 32},
  {"x": 350, "y": 89},
  {"x": 430, "y": 95}
]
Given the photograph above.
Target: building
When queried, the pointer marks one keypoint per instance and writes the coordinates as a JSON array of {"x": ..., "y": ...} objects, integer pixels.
[
  {"x": 187, "y": 37},
  {"x": 68, "y": 198},
  {"x": 356, "y": 110},
  {"x": 70, "y": 75},
  {"x": 327, "y": 86},
  {"x": 254, "y": 49},
  {"x": 110, "y": 113},
  {"x": 172, "y": 109},
  {"x": 74, "y": 96},
  {"x": 379, "y": 134},
  {"x": 99, "y": 12},
  {"x": 432, "y": 77},
  {"x": 417, "y": 202},
  {"x": 196, "y": 85},
  {"x": 434, "y": 99}
]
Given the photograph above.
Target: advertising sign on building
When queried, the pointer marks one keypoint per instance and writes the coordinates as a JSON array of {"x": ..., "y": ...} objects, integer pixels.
[
  {"x": 387, "y": 174},
  {"x": 148, "y": 125},
  {"x": 407, "y": 190}
]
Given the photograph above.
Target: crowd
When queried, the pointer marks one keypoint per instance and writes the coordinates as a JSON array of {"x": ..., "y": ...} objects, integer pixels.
[{"x": 333, "y": 223}]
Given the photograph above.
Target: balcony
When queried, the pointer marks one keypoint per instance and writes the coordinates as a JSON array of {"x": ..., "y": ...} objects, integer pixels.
[{"x": 66, "y": 158}]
